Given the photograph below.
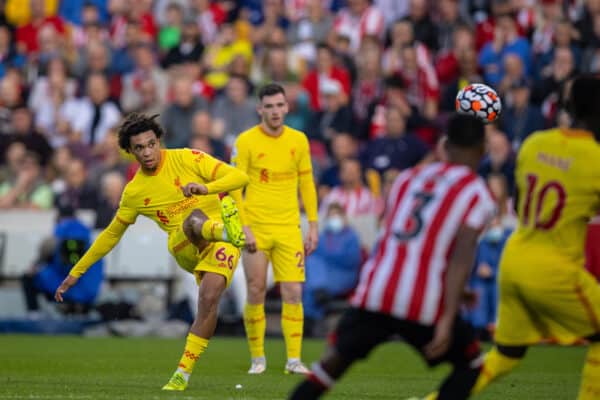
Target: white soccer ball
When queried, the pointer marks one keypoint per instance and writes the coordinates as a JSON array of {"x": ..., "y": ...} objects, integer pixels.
[
  {"x": 479, "y": 100},
  {"x": 238, "y": 386}
]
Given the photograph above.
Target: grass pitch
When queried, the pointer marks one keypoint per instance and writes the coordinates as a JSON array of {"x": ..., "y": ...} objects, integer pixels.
[{"x": 44, "y": 367}]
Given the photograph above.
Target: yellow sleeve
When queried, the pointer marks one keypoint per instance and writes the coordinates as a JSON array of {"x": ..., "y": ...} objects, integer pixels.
[
  {"x": 240, "y": 158},
  {"x": 306, "y": 182},
  {"x": 104, "y": 243},
  {"x": 219, "y": 176}
]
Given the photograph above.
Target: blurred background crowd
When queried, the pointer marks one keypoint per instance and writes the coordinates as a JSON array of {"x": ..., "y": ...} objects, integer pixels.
[{"x": 370, "y": 82}]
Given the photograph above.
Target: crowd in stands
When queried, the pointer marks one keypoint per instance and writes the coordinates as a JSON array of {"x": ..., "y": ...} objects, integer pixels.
[{"x": 371, "y": 82}]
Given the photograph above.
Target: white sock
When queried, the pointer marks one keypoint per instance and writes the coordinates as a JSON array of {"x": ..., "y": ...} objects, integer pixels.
[
  {"x": 224, "y": 236},
  {"x": 185, "y": 374},
  {"x": 293, "y": 360}
]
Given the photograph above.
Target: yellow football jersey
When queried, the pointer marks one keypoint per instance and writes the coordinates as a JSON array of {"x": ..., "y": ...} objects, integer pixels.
[
  {"x": 159, "y": 196},
  {"x": 558, "y": 181},
  {"x": 275, "y": 166}
]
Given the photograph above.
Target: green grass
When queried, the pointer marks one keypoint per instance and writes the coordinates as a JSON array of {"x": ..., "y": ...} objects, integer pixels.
[{"x": 43, "y": 367}]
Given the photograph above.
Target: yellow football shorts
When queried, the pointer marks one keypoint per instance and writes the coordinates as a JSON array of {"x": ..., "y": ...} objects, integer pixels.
[
  {"x": 284, "y": 246},
  {"x": 218, "y": 257},
  {"x": 544, "y": 298}
]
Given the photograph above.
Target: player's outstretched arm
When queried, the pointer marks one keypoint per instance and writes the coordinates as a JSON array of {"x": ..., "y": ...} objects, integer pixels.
[
  {"x": 104, "y": 243},
  {"x": 459, "y": 268},
  {"x": 225, "y": 178}
]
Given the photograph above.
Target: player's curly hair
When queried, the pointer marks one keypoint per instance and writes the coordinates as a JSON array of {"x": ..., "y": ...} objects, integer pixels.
[{"x": 136, "y": 123}]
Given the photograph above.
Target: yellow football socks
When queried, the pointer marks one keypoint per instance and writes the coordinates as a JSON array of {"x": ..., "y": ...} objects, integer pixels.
[
  {"x": 212, "y": 230},
  {"x": 256, "y": 325},
  {"x": 590, "y": 377},
  {"x": 494, "y": 366},
  {"x": 292, "y": 324},
  {"x": 194, "y": 347}
]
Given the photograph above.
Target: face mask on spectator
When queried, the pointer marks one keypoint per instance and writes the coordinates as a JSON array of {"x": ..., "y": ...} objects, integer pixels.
[
  {"x": 334, "y": 224},
  {"x": 494, "y": 234}
]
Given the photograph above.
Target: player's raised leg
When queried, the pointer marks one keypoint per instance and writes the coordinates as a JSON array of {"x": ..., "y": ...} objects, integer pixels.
[
  {"x": 255, "y": 269},
  {"x": 202, "y": 329},
  {"x": 199, "y": 227}
]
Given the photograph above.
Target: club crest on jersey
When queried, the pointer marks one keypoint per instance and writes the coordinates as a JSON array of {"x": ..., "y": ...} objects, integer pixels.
[
  {"x": 162, "y": 217},
  {"x": 264, "y": 175},
  {"x": 177, "y": 182},
  {"x": 147, "y": 201},
  {"x": 293, "y": 153}
]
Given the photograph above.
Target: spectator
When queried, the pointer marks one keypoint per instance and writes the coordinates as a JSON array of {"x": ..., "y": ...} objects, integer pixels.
[
  {"x": 209, "y": 17},
  {"x": 548, "y": 92},
  {"x": 28, "y": 35},
  {"x": 369, "y": 83},
  {"x": 95, "y": 114},
  {"x": 87, "y": 21},
  {"x": 325, "y": 68},
  {"x": 146, "y": 69},
  {"x": 177, "y": 118},
  {"x": 343, "y": 146},
  {"x": 336, "y": 116},
  {"x": 506, "y": 40},
  {"x": 111, "y": 188},
  {"x": 483, "y": 279},
  {"x": 26, "y": 187},
  {"x": 57, "y": 256},
  {"x": 351, "y": 194},
  {"x": 306, "y": 32},
  {"x": 513, "y": 72},
  {"x": 425, "y": 30},
  {"x": 79, "y": 192},
  {"x": 447, "y": 63},
  {"x": 188, "y": 49},
  {"x": 422, "y": 86},
  {"x": 520, "y": 118},
  {"x": 275, "y": 67},
  {"x": 467, "y": 73},
  {"x": 502, "y": 193},
  {"x": 24, "y": 132},
  {"x": 359, "y": 19},
  {"x": 450, "y": 19},
  {"x": 234, "y": 111},
  {"x": 332, "y": 270},
  {"x": 204, "y": 137},
  {"x": 169, "y": 35},
  {"x": 500, "y": 158},
  {"x": 10, "y": 57},
  {"x": 222, "y": 52},
  {"x": 397, "y": 150},
  {"x": 564, "y": 37}
]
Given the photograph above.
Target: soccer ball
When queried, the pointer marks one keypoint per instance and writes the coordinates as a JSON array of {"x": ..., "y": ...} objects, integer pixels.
[{"x": 479, "y": 100}]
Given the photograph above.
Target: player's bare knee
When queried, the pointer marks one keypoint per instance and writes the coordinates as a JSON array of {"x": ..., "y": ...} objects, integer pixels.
[
  {"x": 192, "y": 226},
  {"x": 291, "y": 292}
]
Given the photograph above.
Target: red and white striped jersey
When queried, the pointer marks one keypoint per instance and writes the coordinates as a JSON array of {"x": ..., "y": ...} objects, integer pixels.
[
  {"x": 404, "y": 277},
  {"x": 356, "y": 202},
  {"x": 370, "y": 22}
]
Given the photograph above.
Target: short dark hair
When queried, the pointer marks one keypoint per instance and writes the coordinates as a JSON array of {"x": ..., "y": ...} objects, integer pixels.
[
  {"x": 270, "y": 89},
  {"x": 465, "y": 130},
  {"x": 136, "y": 123},
  {"x": 584, "y": 98}
]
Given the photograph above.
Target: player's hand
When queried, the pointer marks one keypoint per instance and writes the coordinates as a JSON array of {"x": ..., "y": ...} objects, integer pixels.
[
  {"x": 442, "y": 337},
  {"x": 193, "y": 188},
  {"x": 250, "y": 240},
  {"x": 312, "y": 238},
  {"x": 64, "y": 286}
]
